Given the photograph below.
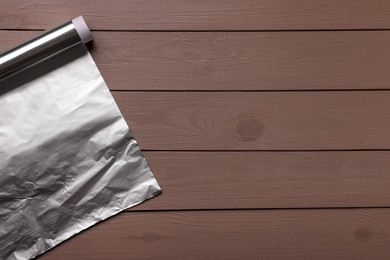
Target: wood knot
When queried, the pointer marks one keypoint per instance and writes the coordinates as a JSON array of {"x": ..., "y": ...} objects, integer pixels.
[
  {"x": 149, "y": 237},
  {"x": 362, "y": 234},
  {"x": 249, "y": 129}
]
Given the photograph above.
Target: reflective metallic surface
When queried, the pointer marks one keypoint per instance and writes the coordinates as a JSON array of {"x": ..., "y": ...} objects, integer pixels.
[
  {"x": 68, "y": 158},
  {"x": 43, "y": 46}
]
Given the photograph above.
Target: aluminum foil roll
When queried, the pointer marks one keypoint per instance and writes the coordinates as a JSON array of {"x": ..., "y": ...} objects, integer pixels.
[{"x": 68, "y": 158}]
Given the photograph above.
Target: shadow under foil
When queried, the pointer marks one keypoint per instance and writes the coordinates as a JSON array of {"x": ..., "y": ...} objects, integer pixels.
[{"x": 42, "y": 67}]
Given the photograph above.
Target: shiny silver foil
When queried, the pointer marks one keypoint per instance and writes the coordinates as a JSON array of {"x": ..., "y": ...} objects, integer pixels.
[{"x": 67, "y": 157}]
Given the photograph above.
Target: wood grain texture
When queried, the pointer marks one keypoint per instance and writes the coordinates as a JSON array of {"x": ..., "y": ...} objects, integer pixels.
[
  {"x": 258, "y": 120},
  {"x": 199, "y": 15},
  {"x": 237, "y": 46},
  {"x": 237, "y": 180},
  {"x": 356, "y": 234},
  {"x": 238, "y": 60}
]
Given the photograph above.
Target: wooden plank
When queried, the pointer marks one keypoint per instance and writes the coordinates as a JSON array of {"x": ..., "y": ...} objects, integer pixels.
[
  {"x": 309, "y": 120},
  {"x": 354, "y": 234},
  {"x": 238, "y": 60},
  {"x": 199, "y": 15},
  {"x": 237, "y": 180}
]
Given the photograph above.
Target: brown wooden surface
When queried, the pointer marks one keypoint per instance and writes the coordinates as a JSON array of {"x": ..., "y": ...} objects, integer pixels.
[
  {"x": 199, "y": 14},
  {"x": 234, "y": 180},
  {"x": 238, "y": 60},
  {"x": 309, "y": 120},
  {"x": 213, "y": 91},
  {"x": 354, "y": 234}
]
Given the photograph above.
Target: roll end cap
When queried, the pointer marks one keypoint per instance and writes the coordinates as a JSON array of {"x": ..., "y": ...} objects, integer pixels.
[{"x": 82, "y": 29}]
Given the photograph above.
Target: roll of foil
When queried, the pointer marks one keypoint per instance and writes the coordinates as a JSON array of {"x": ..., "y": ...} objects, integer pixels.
[{"x": 68, "y": 158}]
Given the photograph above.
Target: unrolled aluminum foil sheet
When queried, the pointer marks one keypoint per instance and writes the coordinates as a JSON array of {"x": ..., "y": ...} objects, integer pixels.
[{"x": 67, "y": 157}]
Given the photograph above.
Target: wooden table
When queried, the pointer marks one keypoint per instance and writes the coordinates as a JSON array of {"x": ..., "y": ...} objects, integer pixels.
[{"x": 267, "y": 124}]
